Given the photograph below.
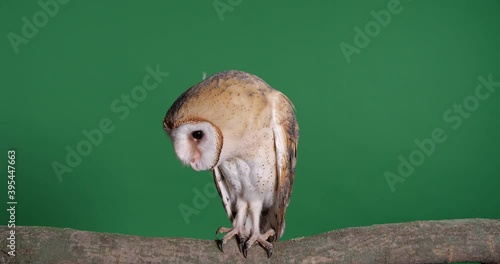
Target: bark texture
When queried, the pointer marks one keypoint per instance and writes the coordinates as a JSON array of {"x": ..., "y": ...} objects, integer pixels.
[{"x": 466, "y": 240}]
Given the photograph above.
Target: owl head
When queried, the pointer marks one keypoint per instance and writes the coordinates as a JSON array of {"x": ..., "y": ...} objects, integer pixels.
[
  {"x": 213, "y": 112},
  {"x": 195, "y": 135},
  {"x": 197, "y": 143}
]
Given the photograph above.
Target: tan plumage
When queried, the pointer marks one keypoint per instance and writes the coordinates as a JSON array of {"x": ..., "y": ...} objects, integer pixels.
[{"x": 246, "y": 132}]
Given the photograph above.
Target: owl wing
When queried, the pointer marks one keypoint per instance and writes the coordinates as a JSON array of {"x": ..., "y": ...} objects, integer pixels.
[
  {"x": 220, "y": 183},
  {"x": 286, "y": 136}
]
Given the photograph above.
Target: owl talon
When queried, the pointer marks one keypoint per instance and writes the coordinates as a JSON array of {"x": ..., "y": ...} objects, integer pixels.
[
  {"x": 220, "y": 245},
  {"x": 245, "y": 250},
  {"x": 241, "y": 243},
  {"x": 269, "y": 251},
  {"x": 230, "y": 233}
]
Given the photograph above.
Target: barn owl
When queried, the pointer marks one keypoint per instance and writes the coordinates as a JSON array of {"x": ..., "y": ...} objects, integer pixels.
[{"x": 246, "y": 133}]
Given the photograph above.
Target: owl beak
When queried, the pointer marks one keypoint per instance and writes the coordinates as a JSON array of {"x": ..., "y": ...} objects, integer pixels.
[
  {"x": 195, "y": 166},
  {"x": 196, "y": 161}
]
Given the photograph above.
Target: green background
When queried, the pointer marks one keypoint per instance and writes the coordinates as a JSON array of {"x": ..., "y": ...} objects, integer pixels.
[{"x": 356, "y": 118}]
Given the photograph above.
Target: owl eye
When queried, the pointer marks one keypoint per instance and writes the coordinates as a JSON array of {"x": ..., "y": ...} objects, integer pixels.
[{"x": 198, "y": 134}]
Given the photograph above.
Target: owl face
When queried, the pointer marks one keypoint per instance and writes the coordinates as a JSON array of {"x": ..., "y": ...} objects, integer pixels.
[{"x": 197, "y": 144}]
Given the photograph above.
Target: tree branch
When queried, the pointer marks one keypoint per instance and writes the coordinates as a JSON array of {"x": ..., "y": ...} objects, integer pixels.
[{"x": 475, "y": 240}]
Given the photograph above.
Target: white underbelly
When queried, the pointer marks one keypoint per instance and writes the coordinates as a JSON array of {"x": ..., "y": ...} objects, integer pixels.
[{"x": 249, "y": 181}]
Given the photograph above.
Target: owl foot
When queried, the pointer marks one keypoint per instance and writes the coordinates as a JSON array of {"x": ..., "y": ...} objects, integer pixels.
[
  {"x": 262, "y": 239},
  {"x": 230, "y": 233}
]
